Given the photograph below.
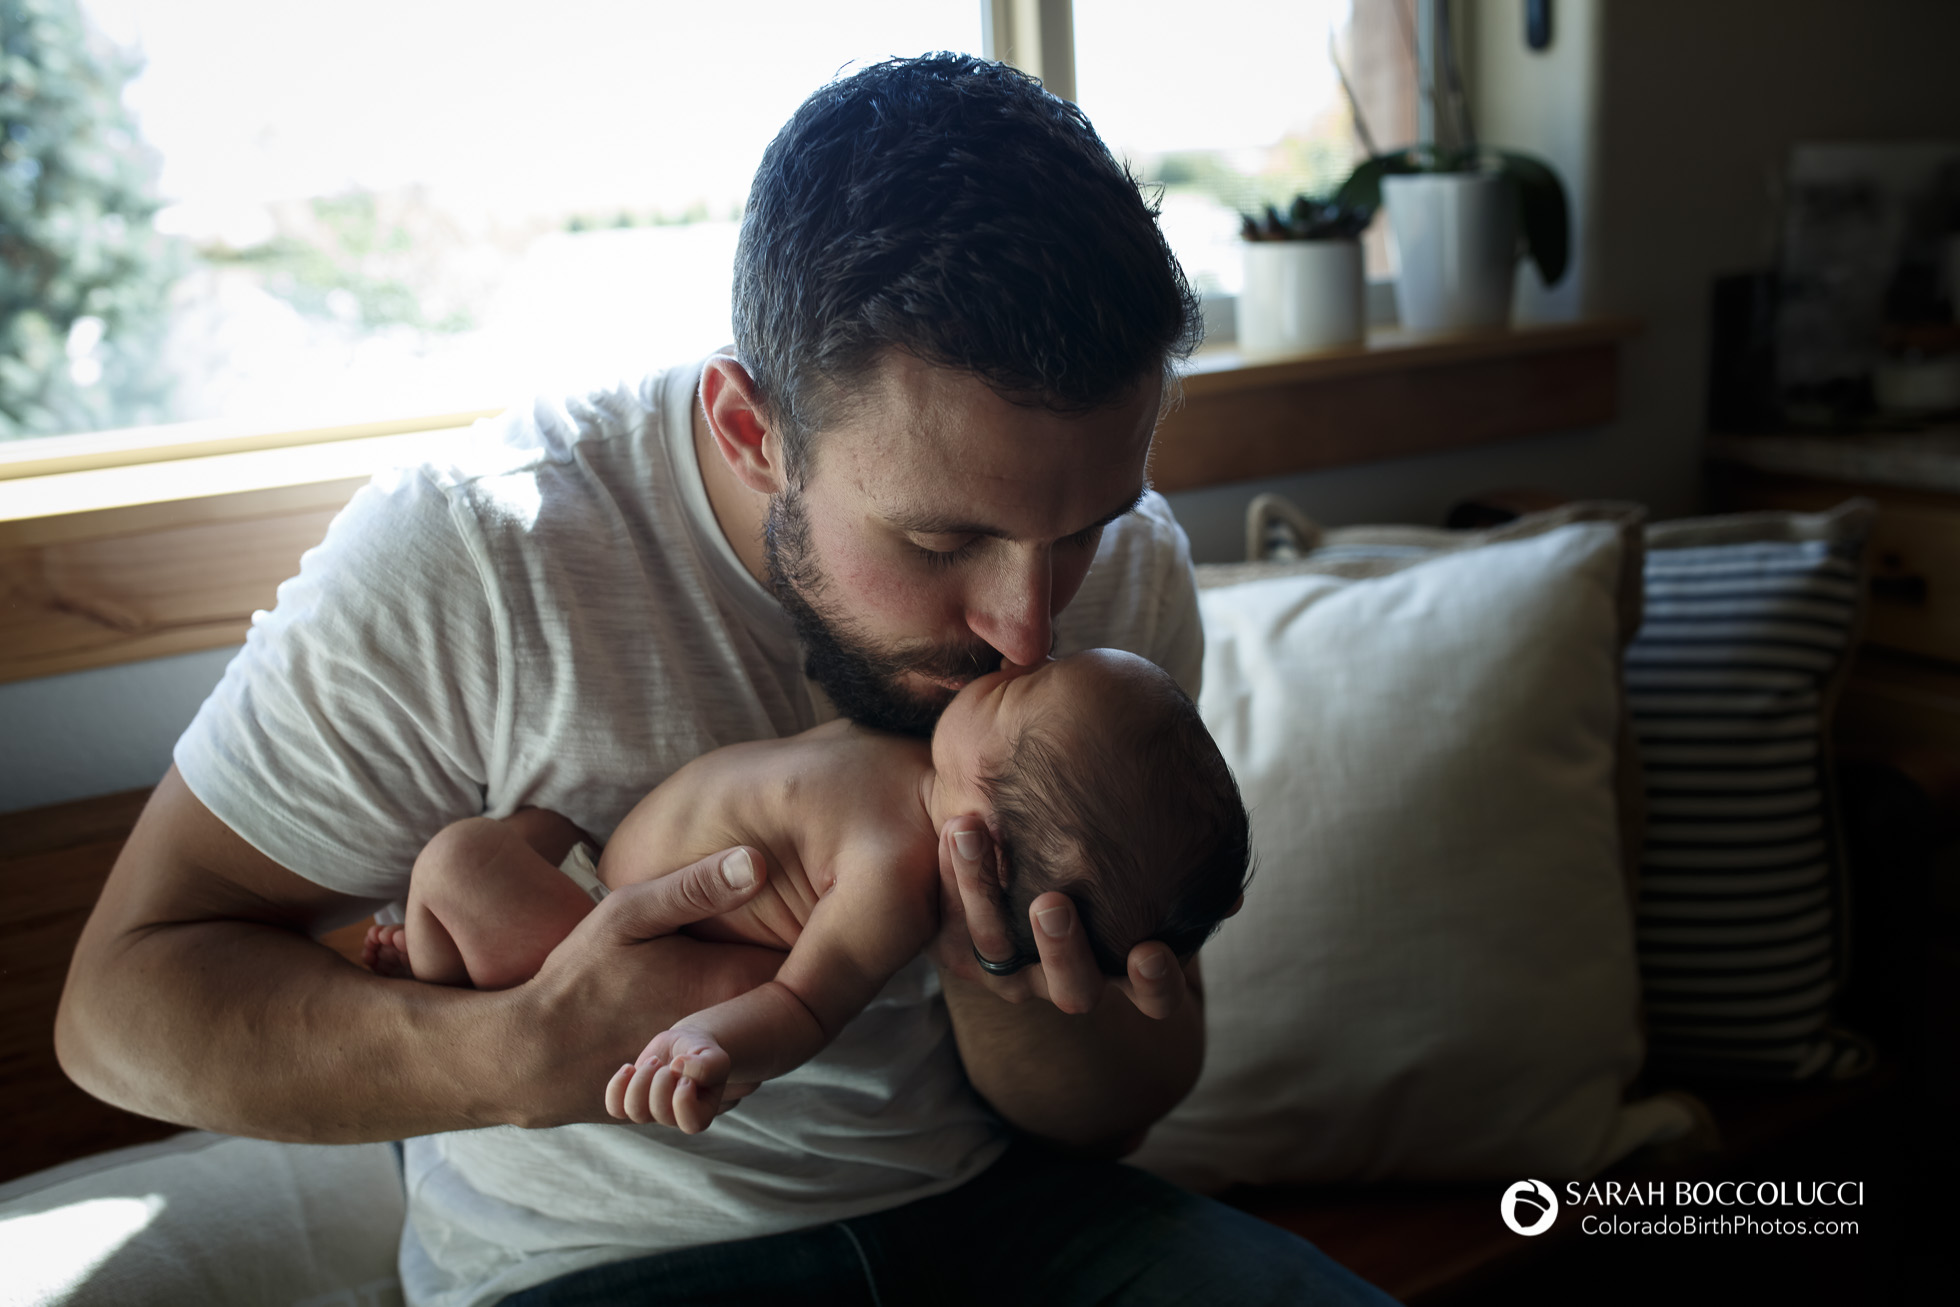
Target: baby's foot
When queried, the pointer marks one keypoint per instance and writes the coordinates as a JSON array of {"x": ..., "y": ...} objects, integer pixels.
[{"x": 385, "y": 952}]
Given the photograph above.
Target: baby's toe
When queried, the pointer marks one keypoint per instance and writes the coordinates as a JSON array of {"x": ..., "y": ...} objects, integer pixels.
[{"x": 385, "y": 952}]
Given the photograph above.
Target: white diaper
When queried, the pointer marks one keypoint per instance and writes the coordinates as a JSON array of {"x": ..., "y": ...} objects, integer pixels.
[{"x": 584, "y": 872}]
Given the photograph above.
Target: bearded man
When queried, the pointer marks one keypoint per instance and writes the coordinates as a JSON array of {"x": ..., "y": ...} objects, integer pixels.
[{"x": 955, "y": 321}]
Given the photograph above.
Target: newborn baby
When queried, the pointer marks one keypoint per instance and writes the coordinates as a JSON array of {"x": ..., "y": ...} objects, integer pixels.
[{"x": 1093, "y": 773}]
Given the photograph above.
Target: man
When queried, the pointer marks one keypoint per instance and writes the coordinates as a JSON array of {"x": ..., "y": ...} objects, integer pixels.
[{"x": 954, "y": 319}]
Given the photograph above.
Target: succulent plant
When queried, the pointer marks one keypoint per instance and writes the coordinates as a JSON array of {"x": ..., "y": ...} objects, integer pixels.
[{"x": 1307, "y": 219}]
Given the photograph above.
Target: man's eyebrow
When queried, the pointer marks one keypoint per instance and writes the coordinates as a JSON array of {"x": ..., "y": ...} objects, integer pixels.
[{"x": 930, "y": 525}]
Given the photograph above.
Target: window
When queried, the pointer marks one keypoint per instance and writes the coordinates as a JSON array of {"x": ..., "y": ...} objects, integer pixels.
[
  {"x": 367, "y": 211},
  {"x": 1233, "y": 104},
  {"x": 373, "y": 209}
]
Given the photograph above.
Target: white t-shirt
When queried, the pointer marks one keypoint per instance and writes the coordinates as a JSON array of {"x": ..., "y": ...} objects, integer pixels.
[{"x": 555, "y": 619}]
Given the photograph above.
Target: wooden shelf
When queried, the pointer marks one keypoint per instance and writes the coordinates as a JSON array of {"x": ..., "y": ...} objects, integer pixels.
[
  {"x": 1927, "y": 460},
  {"x": 109, "y": 564}
]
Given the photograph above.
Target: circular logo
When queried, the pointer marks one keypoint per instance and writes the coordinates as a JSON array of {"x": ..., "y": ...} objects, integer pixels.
[{"x": 1529, "y": 1207}]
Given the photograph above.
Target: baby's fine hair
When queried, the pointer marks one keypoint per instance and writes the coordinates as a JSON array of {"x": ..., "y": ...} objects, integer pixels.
[{"x": 1141, "y": 824}]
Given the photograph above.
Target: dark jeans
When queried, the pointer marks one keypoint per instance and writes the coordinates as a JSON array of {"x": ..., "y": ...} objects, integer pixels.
[{"x": 1036, "y": 1227}]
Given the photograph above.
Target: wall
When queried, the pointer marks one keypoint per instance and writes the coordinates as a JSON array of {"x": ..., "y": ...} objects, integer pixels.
[
  {"x": 1668, "y": 118},
  {"x": 1670, "y": 121},
  {"x": 99, "y": 731},
  {"x": 1544, "y": 103},
  {"x": 1698, "y": 106}
]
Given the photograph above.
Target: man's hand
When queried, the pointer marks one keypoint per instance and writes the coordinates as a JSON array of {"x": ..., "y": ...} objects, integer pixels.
[
  {"x": 633, "y": 930},
  {"x": 1067, "y": 974},
  {"x": 1087, "y": 1069}
]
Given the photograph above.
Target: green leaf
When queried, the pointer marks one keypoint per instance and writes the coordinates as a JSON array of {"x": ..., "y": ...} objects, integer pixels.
[
  {"x": 1542, "y": 213},
  {"x": 1362, "y": 191}
]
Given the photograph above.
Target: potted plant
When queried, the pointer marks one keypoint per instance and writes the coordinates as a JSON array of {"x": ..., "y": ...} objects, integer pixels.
[
  {"x": 1457, "y": 216},
  {"x": 1457, "y": 211},
  {"x": 1303, "y": 281}
]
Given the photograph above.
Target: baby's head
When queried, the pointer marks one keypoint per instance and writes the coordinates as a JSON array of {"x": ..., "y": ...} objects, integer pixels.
[{"x": 1098, "y": 780}]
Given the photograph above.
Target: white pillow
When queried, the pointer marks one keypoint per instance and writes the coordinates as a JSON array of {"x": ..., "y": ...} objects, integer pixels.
[
  {"x": 1433, "y": 977},
  {"x": 206, "y": 1219}
]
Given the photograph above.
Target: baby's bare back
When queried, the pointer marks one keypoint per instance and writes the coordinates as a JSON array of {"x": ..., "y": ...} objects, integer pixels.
[{"x": 833, "y": 802}]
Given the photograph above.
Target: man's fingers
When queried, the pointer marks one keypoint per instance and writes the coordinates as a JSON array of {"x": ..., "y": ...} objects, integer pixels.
[
  {"x": 968, "y": 847},
  {"x": 1068, "y": 965},
  {"x": 714, "y": 885},
  {"x": 1156, "y": 982}
]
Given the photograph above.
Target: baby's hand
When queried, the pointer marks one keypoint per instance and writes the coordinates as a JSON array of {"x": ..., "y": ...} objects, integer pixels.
[{"x": 677, "y": 1080}]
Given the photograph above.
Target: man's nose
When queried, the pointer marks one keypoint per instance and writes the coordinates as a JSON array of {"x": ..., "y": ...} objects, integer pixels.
[{"x": 1014, "y": 613}]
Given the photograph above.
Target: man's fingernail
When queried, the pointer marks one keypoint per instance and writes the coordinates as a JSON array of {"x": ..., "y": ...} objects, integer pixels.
[
  {"x": 1054, "y": 922},
  {"x": 968, "y": 843},
  {"x": 1152, "y": 966},
  {"x": 738, "y": 870}
]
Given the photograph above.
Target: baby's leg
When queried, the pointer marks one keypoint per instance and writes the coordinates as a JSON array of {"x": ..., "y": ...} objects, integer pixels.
[{"x": 485, "y": 908}]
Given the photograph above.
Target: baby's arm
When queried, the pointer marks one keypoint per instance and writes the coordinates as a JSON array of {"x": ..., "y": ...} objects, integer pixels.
[{"x": 875, "y": 920}]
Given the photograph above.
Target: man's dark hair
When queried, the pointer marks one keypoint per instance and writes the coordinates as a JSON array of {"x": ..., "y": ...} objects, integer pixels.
[
  {"x": 951, "y": 208},
  {"x": 1143, "y": 827}
]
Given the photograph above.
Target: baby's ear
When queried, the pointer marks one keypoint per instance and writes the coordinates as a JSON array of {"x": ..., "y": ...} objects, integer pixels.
[{"x": 1237, "y": 903}]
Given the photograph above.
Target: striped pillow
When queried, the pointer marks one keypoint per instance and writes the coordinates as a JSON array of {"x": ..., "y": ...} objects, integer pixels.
[{"x": 1750, "y": 622}]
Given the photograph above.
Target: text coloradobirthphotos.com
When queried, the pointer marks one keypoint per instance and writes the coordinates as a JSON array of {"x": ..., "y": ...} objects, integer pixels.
[{"x": 1592, "y": 1223}]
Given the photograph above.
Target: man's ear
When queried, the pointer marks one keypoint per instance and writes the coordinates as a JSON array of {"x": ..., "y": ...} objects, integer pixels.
[{"x": 741, "y": 426}]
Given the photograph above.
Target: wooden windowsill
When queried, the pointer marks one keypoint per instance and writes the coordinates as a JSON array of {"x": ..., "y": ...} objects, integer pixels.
[
  {"x": 108, "y": 564},
  {"x": 48, "y": 455},
  {"x": 103, "y": 501},
  {"x": 1222, "y": 370},
  {"x": 1394, "y": 397}
]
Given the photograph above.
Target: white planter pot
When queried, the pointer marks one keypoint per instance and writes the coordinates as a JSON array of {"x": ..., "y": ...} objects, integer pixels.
[
  {"x": 1456, "y": 240},
  {"x": 1301, "y": 296}
]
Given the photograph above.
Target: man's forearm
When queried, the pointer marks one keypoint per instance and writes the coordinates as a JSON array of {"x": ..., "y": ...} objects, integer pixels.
[
  {"x": 1086, "y": 1082},
  {"x": 255, "y": 1030}
]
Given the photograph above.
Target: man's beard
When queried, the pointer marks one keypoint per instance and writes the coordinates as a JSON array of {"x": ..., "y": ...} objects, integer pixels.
[{"x": 864, "y": 682}]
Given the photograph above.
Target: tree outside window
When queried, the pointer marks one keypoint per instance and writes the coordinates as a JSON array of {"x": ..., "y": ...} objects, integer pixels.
[{"x": 84, "y": 277}]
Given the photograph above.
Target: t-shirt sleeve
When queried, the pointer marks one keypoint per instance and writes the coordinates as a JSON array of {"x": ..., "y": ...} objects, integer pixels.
[
  {"x": 1181, "y": 632},
  {"x": 359, "y": 717},
  {"x": 1179, "y": 635},
  {"x": 1141, "y": 595}
]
